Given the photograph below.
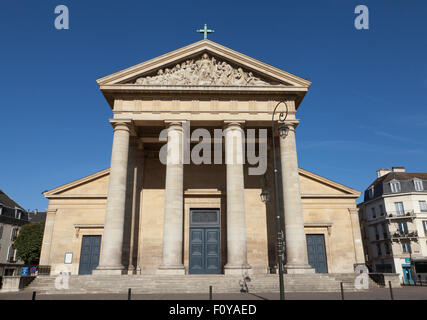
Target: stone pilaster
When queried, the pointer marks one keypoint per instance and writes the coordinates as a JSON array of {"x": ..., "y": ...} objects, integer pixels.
[
  {"x": 236, "y": 226},
  {"x": 47, "y": 237},
  {"x": 357, "y": 237},
  {"x": 112, "y": 239},
  {"x": 174, "y": 203},
  {"x": 296, "y": 244}
]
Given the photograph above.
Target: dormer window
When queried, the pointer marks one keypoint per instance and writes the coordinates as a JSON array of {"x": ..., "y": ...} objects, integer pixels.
[
  {"x": 418, "y": 185},
  {"x": 371, "y": 192},
  {"x": 395, "y": 186}
]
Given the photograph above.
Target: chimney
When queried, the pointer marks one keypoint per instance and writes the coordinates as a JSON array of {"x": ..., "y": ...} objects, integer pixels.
[
  {"x": 382, "y": 172},
  {"x": 398, "y": 169}
]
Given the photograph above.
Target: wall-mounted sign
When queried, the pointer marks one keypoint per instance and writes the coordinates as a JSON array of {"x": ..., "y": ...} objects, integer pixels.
[
  {"x": 24, "y": 271},
  {"x": 68, "y": 258}
]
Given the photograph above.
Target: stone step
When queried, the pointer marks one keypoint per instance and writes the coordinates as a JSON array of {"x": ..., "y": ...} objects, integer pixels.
[{"x": 192, "y": 283}]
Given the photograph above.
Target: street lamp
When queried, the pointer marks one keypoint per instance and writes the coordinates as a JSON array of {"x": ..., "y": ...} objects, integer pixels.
[
  {"x": 265, "y": 195},
  {"x": 283, "y": 132}
]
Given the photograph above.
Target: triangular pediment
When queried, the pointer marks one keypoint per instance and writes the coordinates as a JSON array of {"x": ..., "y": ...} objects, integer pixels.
[
  {"x": 313, "y": 185},
  {"x": 94, "y": 185},
  {"x": 204, "y": 63}
]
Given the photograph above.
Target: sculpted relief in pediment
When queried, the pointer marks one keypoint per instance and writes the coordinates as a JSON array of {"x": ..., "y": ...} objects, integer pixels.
[{"x": 203, "y": 71}]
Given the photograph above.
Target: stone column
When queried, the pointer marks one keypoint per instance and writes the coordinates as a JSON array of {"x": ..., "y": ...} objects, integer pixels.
[
  {"x": 296, "y": 244},
  {"x": 112, "y": 239},
  {"x": 236, "y": 226},
  {"x": 47, "y": 237},
  {"x": 174, "y": 203}
]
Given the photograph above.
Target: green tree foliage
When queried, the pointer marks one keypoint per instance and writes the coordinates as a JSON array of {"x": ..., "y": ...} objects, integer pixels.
[{"x": 29, "y": 242}]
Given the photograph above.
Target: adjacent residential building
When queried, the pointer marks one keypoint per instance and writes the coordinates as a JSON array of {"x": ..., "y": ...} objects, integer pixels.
[
  {"x": 393, "y": 219},
  {"x": 12, "y": 217}
]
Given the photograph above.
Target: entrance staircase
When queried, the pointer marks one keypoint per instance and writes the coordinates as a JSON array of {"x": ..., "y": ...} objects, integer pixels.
[{"x": 162, "y": 284}]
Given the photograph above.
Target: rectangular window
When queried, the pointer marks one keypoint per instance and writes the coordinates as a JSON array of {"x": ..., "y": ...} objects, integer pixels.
[
  {"x": 403, "y": 227},
  {"x": 387, "y": 248},
  {"x": 425, "y": 225},
  {"x": 423, "y": 205},
  {"x": 406, "y": 246},
  {"x": 11, "y": 254},
  {"x": 418, "y": 185},
  {"x": 381, "y": 210},
  {"x": 385, "y": 234},
  {"x": 1, "y": 231},
  {"x": 373, "y": 213},
  {"x": 379, "y": 250},
  {"x": 395, "y": 186},
  {"x": 400, "y": 210},
  {"x": 14, "y": 234}
]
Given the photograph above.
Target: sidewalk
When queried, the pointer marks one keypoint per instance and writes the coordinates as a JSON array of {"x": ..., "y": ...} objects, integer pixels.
[{"x": 406, "y": 293}]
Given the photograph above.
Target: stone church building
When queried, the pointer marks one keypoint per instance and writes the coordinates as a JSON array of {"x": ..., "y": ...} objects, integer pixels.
[{"x": 141, "y": 216}]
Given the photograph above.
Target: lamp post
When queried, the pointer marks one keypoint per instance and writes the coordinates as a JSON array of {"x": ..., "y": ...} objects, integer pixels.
[{"x": 283, "y": 131}]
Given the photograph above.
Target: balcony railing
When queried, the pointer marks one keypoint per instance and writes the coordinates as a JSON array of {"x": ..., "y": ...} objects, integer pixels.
[
  {"x": 404, "y": 235},
  {"x": 409, "y": 214}
]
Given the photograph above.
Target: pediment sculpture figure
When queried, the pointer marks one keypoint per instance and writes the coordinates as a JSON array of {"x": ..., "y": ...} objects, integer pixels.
[{"x": 202, "y": 72}]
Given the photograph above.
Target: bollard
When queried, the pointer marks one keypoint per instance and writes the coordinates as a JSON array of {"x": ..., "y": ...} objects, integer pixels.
[
  {"x": 342, "y": 291},
  {"x": 33, "y": 298},
  {"x": 391, "y": 290},
  {"x": 210, "y": 292},
  {"x": 421, "y": 282},
  {"x": 129, "y": 293}
]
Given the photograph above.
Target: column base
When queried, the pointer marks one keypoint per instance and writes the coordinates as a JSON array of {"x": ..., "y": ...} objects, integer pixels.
[
  {"x": 238, "y": 270},
  {"x": 109, "y": 270},
  {"x": 171, "y": 270},
  {"x": 299, "y": 269},
  {"x": 131, "y": 270}
]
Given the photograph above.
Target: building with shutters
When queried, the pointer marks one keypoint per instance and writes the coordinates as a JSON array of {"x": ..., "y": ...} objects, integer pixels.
[
  {"x": 12, "y": 217},
  {"x": 393, "y": 218}
]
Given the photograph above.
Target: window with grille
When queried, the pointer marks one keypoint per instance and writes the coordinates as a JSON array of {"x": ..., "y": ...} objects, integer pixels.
[{"x": 202, "y": 216}]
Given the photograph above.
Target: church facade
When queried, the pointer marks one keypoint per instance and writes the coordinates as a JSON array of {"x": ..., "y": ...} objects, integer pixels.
[{"x": 157, "y": 211}]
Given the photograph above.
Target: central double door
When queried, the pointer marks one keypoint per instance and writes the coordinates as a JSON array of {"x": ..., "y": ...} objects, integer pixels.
[{"x": 204, "y": 241}]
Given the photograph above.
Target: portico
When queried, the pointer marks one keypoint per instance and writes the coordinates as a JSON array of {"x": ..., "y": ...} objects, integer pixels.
[{"x": 176, "y": 216}]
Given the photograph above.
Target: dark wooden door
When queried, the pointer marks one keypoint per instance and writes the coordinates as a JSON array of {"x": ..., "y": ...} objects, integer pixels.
[
  {"x": 204, "y": 242},
  {"x": 317, "y": 252},
  {"x": 89, "y": 256},
  {"x": 204, "y": 251}
]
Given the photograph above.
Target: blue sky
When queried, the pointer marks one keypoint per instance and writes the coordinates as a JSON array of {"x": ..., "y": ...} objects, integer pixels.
[{"x": 366, "y": 108}]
